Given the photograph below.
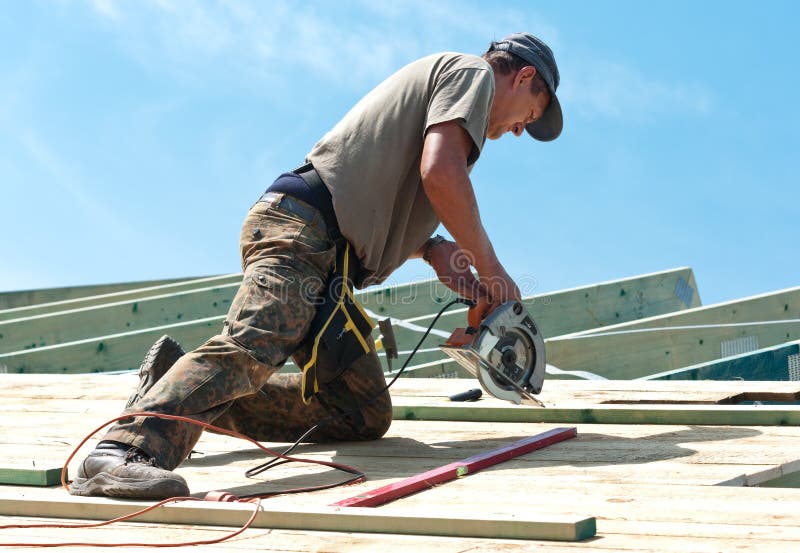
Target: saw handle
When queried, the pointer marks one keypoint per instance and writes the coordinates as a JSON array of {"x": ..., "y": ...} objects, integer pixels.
[{"x": 477, "y": 311}]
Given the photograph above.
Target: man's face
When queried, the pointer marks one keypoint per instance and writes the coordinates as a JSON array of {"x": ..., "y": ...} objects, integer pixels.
[{"x": 514, "y": 109}]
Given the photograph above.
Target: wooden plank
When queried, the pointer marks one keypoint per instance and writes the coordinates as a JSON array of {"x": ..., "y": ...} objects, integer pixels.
[
  {"x": 25, "y": 298},
  {"x": 114, "y": 352},
  {"x": 645, "y": 352},
  {"x": 87, "y": 337},
  {"x": 115, "y": 296},
  {"x": 114, "y": 317},
  {"x": 590, "y": 391},
  {"x": 771, "y": 363},
  {"x": 733, "y": 415},
  {"x": 556, "y": 313},
  {"x": 355, "y": 519},
  {"x": 557, "y": 392},
  {"x": 457, "y": 469},
  {"x": 30, "y": 476},
  {"x": 673, "y": 341}
]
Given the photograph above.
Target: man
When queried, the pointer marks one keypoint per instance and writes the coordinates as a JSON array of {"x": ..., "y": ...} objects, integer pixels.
[{"x": 383, "y": 178}]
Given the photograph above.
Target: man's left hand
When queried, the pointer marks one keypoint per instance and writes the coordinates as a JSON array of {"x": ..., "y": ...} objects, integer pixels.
[{"x": 453, "y": 266}]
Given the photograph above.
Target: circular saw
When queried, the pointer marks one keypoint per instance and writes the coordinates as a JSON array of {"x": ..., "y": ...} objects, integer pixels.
[{"x": 505, "y": 353}]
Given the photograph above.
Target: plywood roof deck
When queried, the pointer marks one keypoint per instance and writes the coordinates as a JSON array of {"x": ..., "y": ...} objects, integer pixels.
[{"x": 651, "y": 487}]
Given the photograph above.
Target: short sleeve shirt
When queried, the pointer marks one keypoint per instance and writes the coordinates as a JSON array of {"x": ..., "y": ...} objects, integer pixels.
[{"x": 370, "y": 161}]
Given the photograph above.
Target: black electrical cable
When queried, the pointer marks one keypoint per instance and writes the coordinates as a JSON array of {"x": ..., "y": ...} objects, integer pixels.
[{"x": 275, "y": 461}]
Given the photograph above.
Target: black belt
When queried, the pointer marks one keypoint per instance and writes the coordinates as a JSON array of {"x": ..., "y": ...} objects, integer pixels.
[
  {"x": 323, "y": 196},
  {"x": 320, "y": 196}
]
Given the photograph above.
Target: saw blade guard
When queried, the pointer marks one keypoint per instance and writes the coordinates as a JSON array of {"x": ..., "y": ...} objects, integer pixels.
[{"x": 511, "y": 353}]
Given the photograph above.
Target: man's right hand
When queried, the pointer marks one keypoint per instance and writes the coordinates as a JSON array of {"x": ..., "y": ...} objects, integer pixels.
[{"x": 496, "y": 288}]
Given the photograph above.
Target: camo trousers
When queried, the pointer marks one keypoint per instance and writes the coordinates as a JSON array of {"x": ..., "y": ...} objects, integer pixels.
[{"x": 230, "y": 380}]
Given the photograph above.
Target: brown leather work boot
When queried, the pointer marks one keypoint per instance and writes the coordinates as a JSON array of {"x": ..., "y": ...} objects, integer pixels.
[
  {"x": 159, "y": 358},
  {"x": 120, "y": 470}
]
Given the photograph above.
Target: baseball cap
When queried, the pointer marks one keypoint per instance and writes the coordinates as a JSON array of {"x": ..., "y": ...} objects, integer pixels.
[{"x": 539, "y": 55}]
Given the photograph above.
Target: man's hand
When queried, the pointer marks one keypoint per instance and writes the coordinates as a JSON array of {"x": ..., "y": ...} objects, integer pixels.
[
  {"x": 496, "y": 288},
  {"x": 453, "y": 266}
]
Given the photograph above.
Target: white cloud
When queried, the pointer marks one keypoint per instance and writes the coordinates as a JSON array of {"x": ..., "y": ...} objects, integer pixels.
[
  {"x": 616, "y": 90},
  {"x": 353, "y": 43},
  {"x": 106, "y": 8},
  {"x": 347, "y": 44}
]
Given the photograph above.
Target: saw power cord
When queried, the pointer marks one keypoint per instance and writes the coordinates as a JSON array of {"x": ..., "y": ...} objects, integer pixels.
[
  {"x": 277, "y": 459},
  {"x": 280, "y": 459}
]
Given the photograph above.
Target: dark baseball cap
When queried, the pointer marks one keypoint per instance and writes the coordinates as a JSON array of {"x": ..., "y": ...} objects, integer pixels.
[{"x": 539, "y": 55}]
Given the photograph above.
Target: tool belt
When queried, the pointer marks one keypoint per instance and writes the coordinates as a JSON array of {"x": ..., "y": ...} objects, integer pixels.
[{"x": 340, "y": 331}]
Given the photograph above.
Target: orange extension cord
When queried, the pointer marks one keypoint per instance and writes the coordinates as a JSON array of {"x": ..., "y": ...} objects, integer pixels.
[{"x": 211, "y": 496}]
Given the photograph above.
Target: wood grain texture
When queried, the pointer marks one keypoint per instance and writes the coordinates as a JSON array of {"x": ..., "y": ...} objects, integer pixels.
[
  {"x": 458, "y": 469},
  {"x": 417, "y": 522},
  {"x": 666, "y": 487},
  {"x": 673, "y": 341},
  {"x": 738, "y": 415}
]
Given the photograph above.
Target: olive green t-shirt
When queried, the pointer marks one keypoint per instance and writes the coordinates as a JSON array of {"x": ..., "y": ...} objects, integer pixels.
[{"x": 370, "y": 160}]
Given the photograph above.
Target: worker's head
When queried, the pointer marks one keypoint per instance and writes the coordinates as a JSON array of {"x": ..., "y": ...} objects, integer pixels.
[{"x": 525, "y": 97}]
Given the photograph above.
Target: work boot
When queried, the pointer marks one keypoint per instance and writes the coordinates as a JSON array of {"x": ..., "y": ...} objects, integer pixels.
[
  {"x": 120, "y": 470},
  {"x": 161, "y": 356}
]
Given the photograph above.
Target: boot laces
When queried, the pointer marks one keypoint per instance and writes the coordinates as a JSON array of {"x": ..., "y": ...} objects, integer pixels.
[{"x": 136, "y": 455}]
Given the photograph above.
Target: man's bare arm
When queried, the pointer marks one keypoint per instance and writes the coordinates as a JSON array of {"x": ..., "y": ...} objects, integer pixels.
[{"x": 449, "y": 189}]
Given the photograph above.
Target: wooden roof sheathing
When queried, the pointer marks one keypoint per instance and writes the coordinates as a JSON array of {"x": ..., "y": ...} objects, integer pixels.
[{"x": 663, "y": 487}]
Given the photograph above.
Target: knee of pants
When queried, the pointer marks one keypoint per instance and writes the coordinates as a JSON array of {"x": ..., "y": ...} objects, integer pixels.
[{"x": 377, "y": 418}]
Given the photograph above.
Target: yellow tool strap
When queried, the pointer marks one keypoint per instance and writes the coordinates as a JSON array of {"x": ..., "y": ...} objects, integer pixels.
[{"x": 350, "y": 326}]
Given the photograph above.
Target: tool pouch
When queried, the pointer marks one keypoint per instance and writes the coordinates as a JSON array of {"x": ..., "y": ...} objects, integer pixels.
[{"x": 340, "y": 330}]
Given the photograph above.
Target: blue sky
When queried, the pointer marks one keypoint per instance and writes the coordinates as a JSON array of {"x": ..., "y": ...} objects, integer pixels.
[{"x": 135, "y": 135}]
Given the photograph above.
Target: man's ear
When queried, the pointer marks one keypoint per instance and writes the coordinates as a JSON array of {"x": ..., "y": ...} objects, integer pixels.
[{"x": 525, "y": 75}]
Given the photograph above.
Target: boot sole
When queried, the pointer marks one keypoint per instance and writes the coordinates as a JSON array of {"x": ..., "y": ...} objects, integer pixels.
[{"x": 105, "y": 484}]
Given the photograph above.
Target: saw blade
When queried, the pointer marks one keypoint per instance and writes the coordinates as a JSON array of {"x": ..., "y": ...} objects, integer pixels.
[{"x": 522, "y": 395}]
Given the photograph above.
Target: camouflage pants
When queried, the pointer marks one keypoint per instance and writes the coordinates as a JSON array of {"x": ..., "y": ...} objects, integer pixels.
[{"x": 230, "y": 380}]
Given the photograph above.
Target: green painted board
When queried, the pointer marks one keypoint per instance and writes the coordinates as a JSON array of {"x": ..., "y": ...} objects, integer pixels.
[
  {"x": 669, "y": 342},
  {"x": 556, "y": 313},
  {"x": 114, "y": 352},
  {"x": 777, "y": 363},
  {"x": 123, "y": 294},
  {"x": 114, "y": 317},
  {"x": 430, "y": 522},
  {"x": 728, "y": 415},
  {"x": 791, "y": 480},
  {"x": 778, "y": 305},
  {"x": 31, "y": 477},
  {"x": 652, "y": 351},
  {"x": 108, "y": 337},
  {"x": 22, "y": 298}
]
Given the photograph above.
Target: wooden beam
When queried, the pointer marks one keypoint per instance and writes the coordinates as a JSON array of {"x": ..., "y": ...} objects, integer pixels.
[
  {"x": 556, "y": 313},
  {"x": 644, "y": 352},
  {"x": 30, "y": 477},
  {"x": 127, "y": 315},
  {"x": 772, "y": 364},
  {"x": 122, "y": 292},
  {"x": 330, "y": 519},
  {"x": 669, "y": 342},
  {"x": 24, "y": 298},
  {"x": 113, "y": 352},
  {"x": 112, "y": 332},
  {"x": 445, "y": 473},
  {"x": 723, "y": 415}
]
